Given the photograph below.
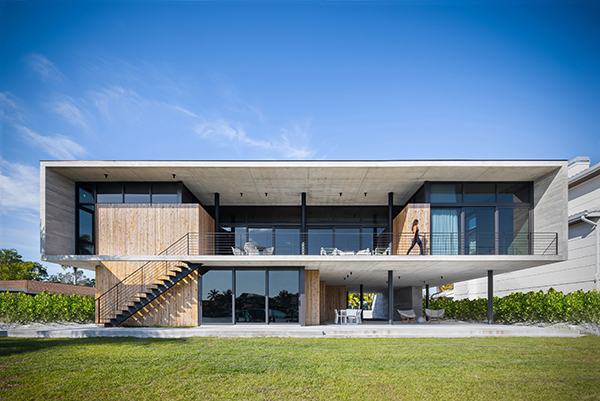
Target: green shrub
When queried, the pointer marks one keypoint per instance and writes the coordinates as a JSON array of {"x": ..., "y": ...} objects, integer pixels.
[
  {"x": 44, "y": 307},
  {"x": 552, "y": 306}
]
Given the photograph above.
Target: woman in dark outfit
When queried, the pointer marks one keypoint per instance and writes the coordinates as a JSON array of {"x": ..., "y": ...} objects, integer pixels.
[{"x": 416, "y": 239}]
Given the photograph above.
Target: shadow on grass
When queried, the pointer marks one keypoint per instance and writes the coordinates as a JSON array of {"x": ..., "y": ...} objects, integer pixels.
[{"x": 15, "y": 346}]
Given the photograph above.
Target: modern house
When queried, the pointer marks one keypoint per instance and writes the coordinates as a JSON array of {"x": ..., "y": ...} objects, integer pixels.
[
  {"x": 582, "y": 270},
  {"x": 204, "y": 242}
]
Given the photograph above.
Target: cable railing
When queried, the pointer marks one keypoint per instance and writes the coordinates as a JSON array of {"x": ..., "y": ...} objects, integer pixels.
[{"x": 268, "y": 242}]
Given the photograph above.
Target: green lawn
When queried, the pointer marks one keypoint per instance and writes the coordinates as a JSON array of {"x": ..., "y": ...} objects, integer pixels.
[{"x": 300, "y": 369}]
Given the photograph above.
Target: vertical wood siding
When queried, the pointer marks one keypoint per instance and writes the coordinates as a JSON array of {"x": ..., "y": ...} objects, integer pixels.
[
  {"x": 403, "y": 224},
  {"x": 334, "y": 297},
  {"x": 148, "y": 229},
  {"x": 312, "y": 290}
]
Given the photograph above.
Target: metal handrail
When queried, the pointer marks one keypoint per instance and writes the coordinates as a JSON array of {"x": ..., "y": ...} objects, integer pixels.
[{"x": 138, "y": 282}]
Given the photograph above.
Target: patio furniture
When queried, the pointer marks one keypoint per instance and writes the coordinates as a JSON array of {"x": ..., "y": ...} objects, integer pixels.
[
  {"x": 236, "y": 251},
  {"x": 353, "y": 316},
  {"x": 340, "y": 316},
  {"x": 269, "y": 250},
  {"x": 434, "y": 314},
  {"x": 382, "y": 251},
  {"x": 407, "y": 315},
  {"x": 251, "y": 249},
  {"x": 364, "y": 252}
]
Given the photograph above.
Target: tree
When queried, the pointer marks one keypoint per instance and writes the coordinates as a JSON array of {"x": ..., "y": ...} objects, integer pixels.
[
  {"x": 12, "y": 267},
  {"x": 76, "y": 278}
]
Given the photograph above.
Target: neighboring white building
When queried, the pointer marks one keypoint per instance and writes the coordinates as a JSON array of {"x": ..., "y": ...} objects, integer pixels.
[{"x": 580, "y": 272}]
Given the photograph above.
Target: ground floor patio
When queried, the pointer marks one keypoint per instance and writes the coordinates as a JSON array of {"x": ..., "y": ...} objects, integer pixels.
[{"x": 370, "y": 329}]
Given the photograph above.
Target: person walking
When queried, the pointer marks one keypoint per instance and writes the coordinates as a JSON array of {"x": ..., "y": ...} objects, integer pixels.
[{"x": 416, "y": 240}]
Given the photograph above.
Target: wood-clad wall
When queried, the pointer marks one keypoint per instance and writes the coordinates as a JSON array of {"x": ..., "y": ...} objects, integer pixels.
[
  {"x": 312, "y": 295},
  {"x": 176, "y": 307},
  {"x": 335, "y": 297},
  {"x": 322, "y": 308},
  {"x": 148, "y": 229},
  {"x": 403, "y": 228}
]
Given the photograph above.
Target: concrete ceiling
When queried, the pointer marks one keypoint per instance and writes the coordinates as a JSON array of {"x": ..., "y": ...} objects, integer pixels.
[{"x": 283, "y": 182}]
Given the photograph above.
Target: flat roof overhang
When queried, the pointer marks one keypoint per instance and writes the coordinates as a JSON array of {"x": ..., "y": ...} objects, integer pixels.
[
  {"x": 370, "y": 271},
  {"x": 278, "y": 183}
]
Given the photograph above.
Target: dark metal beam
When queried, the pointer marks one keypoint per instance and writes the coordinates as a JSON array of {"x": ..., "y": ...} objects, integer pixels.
[
  {"x": 390, "y": 297},
  {"x": 490, "y": 309}
]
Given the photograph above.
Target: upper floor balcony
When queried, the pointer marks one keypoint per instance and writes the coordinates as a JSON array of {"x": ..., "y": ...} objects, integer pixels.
[{"x": 266, "y": 242}]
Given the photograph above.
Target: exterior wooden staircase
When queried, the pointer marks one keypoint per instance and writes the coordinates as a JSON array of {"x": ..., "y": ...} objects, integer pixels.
[{"x": 143, "y": 286}]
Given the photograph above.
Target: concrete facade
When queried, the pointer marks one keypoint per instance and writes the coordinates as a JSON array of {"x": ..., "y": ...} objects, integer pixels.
[{"x": 579, "y": 271}]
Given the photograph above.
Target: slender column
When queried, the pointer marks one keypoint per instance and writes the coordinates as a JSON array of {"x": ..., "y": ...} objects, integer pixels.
[
  {"x": 302, "y": 303},
  {"x": 490, "y": 297},
  {"x": 391, "y": 297},
  {"x": 361, "y": 297},
  {"x": 427, "y": 298},
  {"x": 303, "y": 229},
  {"x": 390, "y": 220},
  {"x": 217, "y": 223}
]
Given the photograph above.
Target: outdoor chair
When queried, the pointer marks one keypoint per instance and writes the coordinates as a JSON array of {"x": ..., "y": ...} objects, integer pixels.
[
  {"x": 236, "y": 251},
  {"x": 353, "y": 316},
  {"x": 407, "y": 315},
  {"x": 434, "y": 314},
  {"x": 364, "y": 252},
  {"x": 251, "y": 249},
  {"x": 269, "y": 250},
  {"x": 382, "y": 251},
  {"x": 340, "y": 316}
]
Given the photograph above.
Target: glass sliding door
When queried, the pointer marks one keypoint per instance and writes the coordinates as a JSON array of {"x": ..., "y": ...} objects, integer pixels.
[
  {"x": 261, "y": 237},
  {"x": 250, "y": 296},
  {"x": 287, "y": 241},
  {"x": 445, "y": 231},
  {"x": 217, "y": 296},
  {"x": 347, "y": 239},
  {"x": 479, "y": 231},
  {"x": 513, "y": 231},
  {"x": 283, "y": 296},
  {"x": 319, "y": 238}
]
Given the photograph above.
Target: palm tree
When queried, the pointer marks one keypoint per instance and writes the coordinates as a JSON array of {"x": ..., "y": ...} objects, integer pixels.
[{"x": 212, "y": 294}]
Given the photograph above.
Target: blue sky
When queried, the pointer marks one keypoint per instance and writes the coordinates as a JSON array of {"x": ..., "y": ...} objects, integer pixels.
[{"x": 289, "y": 80}]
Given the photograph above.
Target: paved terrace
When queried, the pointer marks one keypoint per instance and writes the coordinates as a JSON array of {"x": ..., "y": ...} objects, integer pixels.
[{"x": 368, "y": 330}]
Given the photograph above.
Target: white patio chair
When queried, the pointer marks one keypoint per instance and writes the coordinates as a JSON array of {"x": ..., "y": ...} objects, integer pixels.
[
  {"x": 364, "y": 252},
  {"x": 434, "y": 314},
  {"x": 340, "y": 316},
  {"x": 251, "y": 249},
  {"x": 407, "y": 315},
  {"x": 352, "y": 316},
  {"x": 269, "y": 250},
  {"x": 236, "y": 251}
]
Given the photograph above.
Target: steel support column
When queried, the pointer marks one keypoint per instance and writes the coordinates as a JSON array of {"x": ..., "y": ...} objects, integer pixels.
[
  {"x": 390, "y": 297},
  {"x": 427, "y": 298},
  {"x": 303, "y": 229},
  {"x": 360, "y": 306},
  {"x": 490, "y": 311},
  {"x": 217, "y": 223}
]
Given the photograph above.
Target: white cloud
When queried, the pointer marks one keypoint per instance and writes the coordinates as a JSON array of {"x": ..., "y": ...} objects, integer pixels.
[
  {"x": 8, "y": 108},
  {"x": 57, "y": 146},
  {"x": 19, "y": 186},
  {"x": 66, "y": 108},
  {"x": 44, "y": 67},
  {"x": 293, "y": 142}
]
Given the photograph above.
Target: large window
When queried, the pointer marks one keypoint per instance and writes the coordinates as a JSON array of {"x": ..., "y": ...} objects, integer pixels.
[
  {"x": 476, "y": 218},
  {"x": 91, "y": 193}
]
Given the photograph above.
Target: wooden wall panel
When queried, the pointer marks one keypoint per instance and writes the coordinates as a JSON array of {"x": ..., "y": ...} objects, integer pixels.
[
  {"x": 403, "y": 225},
  {"x": 312, "y": 296},
  {"x": 335, "y": 298},
  {"x": 148, "y": 229},
  {"x": 322, "y": 304},
  {"x": 177, "y": 307}
]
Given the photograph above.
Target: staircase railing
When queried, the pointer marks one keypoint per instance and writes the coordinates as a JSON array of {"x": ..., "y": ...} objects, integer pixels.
[{"x": 140, "y": 281}]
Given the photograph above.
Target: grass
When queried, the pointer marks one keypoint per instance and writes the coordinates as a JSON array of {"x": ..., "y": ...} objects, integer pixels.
[{"x": 300, "y": 369}]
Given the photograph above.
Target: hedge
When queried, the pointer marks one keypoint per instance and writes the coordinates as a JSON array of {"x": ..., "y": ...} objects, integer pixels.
[
  {"x": 45, "y": 307},
  {"x": 550, "y": 307}
]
